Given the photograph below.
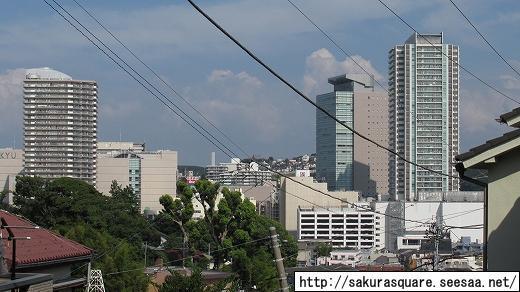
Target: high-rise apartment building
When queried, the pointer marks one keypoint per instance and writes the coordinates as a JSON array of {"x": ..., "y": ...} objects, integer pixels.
[
  {"x": 60, "y": 125},
  {"x": 423, "y": 115},
  {"x": 345, "y": 161}
]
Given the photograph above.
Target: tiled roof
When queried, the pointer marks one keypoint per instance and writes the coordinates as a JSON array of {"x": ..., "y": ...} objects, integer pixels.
[
  {"x": 44, "y": 245},
  {"x": 509, "y": 115},
  {"x": 488, "y": 145}
]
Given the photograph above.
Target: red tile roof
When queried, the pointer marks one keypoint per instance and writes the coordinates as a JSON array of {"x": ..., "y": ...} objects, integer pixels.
[{"x": 43, "y": 246}]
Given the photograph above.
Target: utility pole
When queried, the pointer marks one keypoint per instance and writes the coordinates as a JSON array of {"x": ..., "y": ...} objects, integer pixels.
[
  {"x": 145, "y": 249},
  {"x": 14, "y": 238},
  {"x": 278, "y": 260},
  {"x": 436, "y": 233}
]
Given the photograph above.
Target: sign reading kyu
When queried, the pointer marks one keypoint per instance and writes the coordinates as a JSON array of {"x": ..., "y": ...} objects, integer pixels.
[{"x": 7, "y": 155}]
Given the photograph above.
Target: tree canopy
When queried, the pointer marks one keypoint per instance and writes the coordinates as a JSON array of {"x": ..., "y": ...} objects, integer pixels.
[
  {"x": 111, "y": 225},
  {"x": 239, "y": 237}
]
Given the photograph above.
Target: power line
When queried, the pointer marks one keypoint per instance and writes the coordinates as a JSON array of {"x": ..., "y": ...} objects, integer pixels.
[
  {"x": 211, "y": 141},
  {"x": 348, "y": 54},
  {"x": 189, "y": 257},
  {"x": 279, "y": 77},
  {"x": 484, "y": 39},
  {"x": 157, "y": 75},
  {"x": 145, "y": 80},
  {"x": 131, "y": 75},
  {"x": 301, "y": 94},
  {"x": 445, "y": 259},
  {"x": 451, "y": 59}
]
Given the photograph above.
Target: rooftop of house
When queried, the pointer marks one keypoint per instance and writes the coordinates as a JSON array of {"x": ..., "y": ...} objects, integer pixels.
[
  {"x": 490, "y": 144},
  {"x": 43, "y": 247},
  {"x": 511, "y": 118}
]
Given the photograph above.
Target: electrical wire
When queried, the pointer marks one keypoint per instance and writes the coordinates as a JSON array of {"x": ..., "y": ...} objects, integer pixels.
[
  {"x": 301, "y": 94},
  {"x": 125, "y": 70},
  {"x": 176, "y": 92},
  {"x": 189, "y": 257},
  {"x": 345, "y": 52},
  {"x": 279, "y": 77},
  {"x": 184, "y": 115},
  {"x": 484, "y": 39},
  {"x": 451, "y": 59}
]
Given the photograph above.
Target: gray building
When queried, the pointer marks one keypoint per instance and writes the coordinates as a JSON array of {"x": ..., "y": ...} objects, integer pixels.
[
  {"x": 346, "y": 161},
  {"x": 423, "y": 115},
  {"x": 60, "y": 125}
]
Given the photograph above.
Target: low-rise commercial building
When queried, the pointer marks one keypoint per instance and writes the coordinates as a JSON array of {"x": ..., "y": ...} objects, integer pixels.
[
  {"x": 151, "y": 174},
  {"x": 11, "y": 165},
  {"x": 303, "y": 191},
  {"x": 354, "y": 228}
]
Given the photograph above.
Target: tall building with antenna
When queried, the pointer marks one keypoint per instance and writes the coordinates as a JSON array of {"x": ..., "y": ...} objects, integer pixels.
[
  {"x": 60, "y": 125},
  {"x": 423, "y": 115}
]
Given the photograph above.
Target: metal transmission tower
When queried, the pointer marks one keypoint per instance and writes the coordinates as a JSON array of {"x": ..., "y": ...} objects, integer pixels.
[{"x": 95, "y": 281}]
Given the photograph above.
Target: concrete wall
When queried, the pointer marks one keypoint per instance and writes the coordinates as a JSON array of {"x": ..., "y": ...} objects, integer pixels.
[
  {"x": 371, "y": 162},
  {"x": 289, "y": 203},
  {"x": 451, "y": 213},
  {"x": 41, "y": 287},
  {"x": 158, "y": 177},
  {"x": 109, "y": 169},
  {"x": 462, "y": 214},
  {"x": 11, "y": 165},
  {"x": 504, "y": 213}
]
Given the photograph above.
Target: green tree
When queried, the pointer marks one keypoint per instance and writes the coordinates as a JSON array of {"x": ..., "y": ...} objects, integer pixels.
[
  {"x": 176, "y": 282},
  {"x": 240, "y": 235},
  {"x": 323, "y": 250},
  {"x": 126, "y": 198},
  {"x": 111, "y": 225},
  {"x": 118, "y": 257},
  {"x": 180, "y": 210}
]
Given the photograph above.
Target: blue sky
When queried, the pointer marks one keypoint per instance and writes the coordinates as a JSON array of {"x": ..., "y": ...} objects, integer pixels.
[{"x": 258, "y": 112}]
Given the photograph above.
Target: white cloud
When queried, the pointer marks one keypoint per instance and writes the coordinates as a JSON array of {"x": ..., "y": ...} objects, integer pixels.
[
  {"x": 241, "y": 103},
  {"x": 321, "y": 65},
  {"x": 479, "y": 111},
  {"x": 11, "y": 101},
  {"x": 116, "y": 110},
  {"x": 510, "y": 82},
  {"x": 229, "y": 76},
  {"x": 217, "y": 75}
]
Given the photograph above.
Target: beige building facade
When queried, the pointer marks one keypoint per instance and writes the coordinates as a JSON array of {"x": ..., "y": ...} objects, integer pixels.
[
  {"x": 370, "y": 161},
  {"x": 11, "y": 165},
  {"x": 151, "y": 174}
]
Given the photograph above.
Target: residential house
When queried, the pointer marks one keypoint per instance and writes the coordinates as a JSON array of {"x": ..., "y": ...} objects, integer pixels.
[{"x": 501, "y": 158}]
